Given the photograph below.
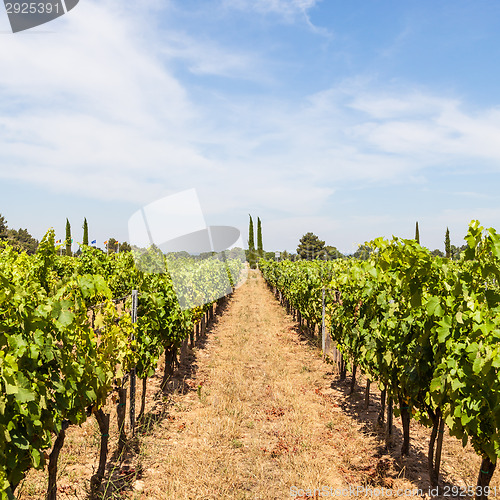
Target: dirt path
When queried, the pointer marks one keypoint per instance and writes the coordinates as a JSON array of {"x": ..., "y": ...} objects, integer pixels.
[{"x": 263, "y": 421}]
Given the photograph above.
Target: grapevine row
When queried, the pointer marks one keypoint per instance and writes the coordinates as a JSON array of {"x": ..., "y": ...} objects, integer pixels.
[
  {"x": 65, "y": 346},
  {"x": 425, "y": 328}
]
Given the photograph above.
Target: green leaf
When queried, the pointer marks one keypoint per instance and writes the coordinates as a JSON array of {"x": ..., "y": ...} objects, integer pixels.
[
  {"x": 21, "y": 394},
  {"x": 465, "y": 419},
  {"x": 25, "y": 395},
  {"x": 36, "y": 457},
  {"x": 66, "y": 317},
  {"x": 21, "y": 441},
  {"x": 10, "y": 388},
  {"x": 436, "y": 385},
  {"x": 457, "y": 384},
  {"x": 444, "y": 330},
  {"x": 478, "y": 365},
  {"x": 450, "y": 422},
  {"x": 443, "y": 333},
  {"x": 86, "y": 284},
  {"x": 16, "y": 341},
  {"x": 433, "y": 306}
]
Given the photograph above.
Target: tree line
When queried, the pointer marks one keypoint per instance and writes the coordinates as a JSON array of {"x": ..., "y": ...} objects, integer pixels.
[
  {"x": 310, "y": 247},
  {"x": 22, "y": 241}
]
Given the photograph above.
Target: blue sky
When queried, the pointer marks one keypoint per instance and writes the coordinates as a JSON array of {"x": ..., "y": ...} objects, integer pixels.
[{"x": 349, "y": 119}]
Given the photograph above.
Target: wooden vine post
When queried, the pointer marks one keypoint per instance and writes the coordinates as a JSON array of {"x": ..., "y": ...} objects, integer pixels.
[
  {"x": 132, "y": 372},
  {"x": 389, "y": 421},
  {"x": 381, "y": 415},
  {"x": 103, "y": 422},
  {"x": 54, "y": 456},
  {"x": 405, "y": 420},
  {"x": 121, "y": 411},
  {"x": 323, "y": 326}
]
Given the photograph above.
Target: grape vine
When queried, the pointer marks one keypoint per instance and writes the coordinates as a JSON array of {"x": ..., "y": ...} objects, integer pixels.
[{"x": 427, "y": 329}]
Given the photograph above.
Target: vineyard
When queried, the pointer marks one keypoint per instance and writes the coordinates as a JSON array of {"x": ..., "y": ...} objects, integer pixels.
[
  {"x": 76, "y": 331},
  {"x": 424, "y": 328}
]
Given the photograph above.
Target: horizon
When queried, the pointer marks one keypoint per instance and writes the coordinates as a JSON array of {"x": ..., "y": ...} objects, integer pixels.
[{"x": 59, "y": 244}]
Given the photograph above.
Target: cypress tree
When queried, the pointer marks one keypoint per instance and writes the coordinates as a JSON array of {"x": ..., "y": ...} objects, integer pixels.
[
  {"x": 251, "y": 244},
  {"x": 260, "y": 250},
  {"x": 417, "y": 235},
  {"x": 85, "y": 232},
  {"x": 68, "y": 238},
  {"x": 447, "y": 244}
]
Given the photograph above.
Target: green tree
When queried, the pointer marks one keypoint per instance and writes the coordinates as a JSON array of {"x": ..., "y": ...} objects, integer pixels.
[
  {"x": 85, "y": 232},
  {"x": 417, "y": 234},
  {"x": 455, "y": 252},
  {"x": 125, "y": 247},
  {"x": 235, "y": 253},
  {"x": 112, "y": 245},
  {"x": 447, "y": 244},
  {"x": 260, "y": 250},
  {"x": 269, "y": 256},
  {"x": 3, "y": 228},
  {"x": 363, "y": 252},
  {"x": 22, "y": 241},
  {"x": 310, "y": 247},
  {"x": 68, "y": 238},
  {"x": 332, "y": 253},
  {"x": 251, "y": 245},
  {"x": 437, "y": 253}
]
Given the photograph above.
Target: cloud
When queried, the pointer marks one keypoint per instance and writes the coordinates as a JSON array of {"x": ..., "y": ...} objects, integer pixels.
[
  {"x": 93, "y": 109},
  {"x": 98, "y": 109},
  {"x": 285, "y": 8},
  {"x": 206, "y": 57},
  {"x": 429, "y": 128},
  {"x": 289, "y": 11}
]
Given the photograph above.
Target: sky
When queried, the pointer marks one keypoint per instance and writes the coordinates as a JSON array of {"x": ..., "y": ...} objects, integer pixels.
[{"x": 351, "y": 120}]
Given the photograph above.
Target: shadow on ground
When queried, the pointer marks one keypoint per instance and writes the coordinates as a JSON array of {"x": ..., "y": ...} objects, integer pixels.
[{"x": 123, "y": 469}]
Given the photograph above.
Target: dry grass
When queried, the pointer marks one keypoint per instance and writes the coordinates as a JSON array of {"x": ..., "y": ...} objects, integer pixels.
[
  {"x": 252, "y": 413},
  {"x": 260, "y": 423}
]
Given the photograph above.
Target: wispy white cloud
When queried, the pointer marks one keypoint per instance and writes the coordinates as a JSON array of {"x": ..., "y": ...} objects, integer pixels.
[
  {"x": 286, "y": 8},
  {"x": 206, "y": 57},
  {"x": 471, "y": 194},
  {"x": 397, "y": 44},
  {"x": 429, "y": 128},
  {"x": 98, "y": 109}
]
